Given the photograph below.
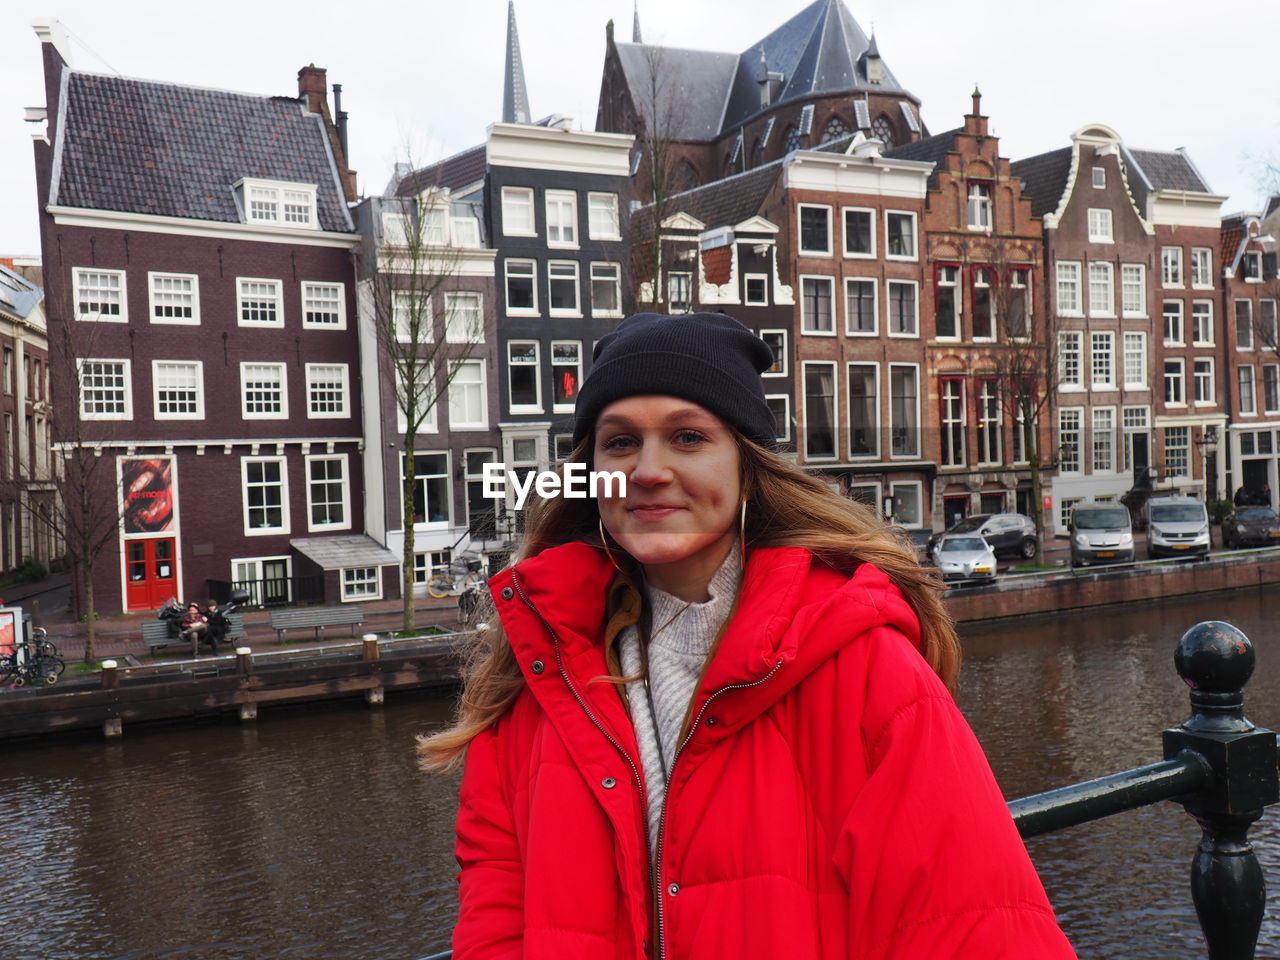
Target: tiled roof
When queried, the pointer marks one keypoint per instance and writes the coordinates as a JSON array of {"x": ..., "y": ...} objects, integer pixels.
[
  {"x": 1273, "y": 203},
  {"x": 18, "y": 296},
  {"x": 690, "y": 90},
  {"x": 1169, "y": 170},
  {"x": 720, "y": 204},
  {"x": 139, "y": 146},
  {"x": 1044, "y": 178},
  {"x": 334, "y": 553},
  {"x": 1232, "y": 238},
  {"x": 451, "y": 173},
  {"x": 932, "y": 148}
]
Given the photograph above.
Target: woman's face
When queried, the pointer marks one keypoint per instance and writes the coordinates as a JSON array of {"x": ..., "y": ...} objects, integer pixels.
[{"x": 684, "y": 492}]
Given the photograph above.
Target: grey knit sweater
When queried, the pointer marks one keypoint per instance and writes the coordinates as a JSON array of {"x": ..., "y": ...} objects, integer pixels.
[{"x": 682, "y": 635}]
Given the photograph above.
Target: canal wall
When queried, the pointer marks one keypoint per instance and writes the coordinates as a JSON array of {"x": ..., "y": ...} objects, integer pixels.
[{"x": 1109, "y": 586}]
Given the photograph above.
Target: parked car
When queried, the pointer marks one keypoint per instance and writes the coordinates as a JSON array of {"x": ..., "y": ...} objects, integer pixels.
[
  {"x": 1251, "y": 527},
  {"x": 1100, "y": 533},
  {"x": 1177, "y": 526},
  {"x": 964, "y": 556},
  {"x": 1010, "y": 534}
]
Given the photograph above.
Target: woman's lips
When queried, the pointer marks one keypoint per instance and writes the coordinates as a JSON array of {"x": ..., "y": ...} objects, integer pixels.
[{"x": 653, "y": 512}]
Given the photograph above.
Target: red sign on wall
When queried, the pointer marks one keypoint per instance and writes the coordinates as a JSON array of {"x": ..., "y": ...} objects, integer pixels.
[
  {"x": 1047, "y": 501},
  {"x": 147, "y": 490}
]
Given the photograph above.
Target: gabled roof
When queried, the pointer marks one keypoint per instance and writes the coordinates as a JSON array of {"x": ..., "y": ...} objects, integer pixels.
[
  {"x": 722, "y": 203},
  {"x": 690, "y": 88},
  {"x": 1168, "y": 170},
  {"x": 145, "y": 147},
  {"x": 1044, "y": 179},
  {"x": 451, "y": 173},
  {"x": 931, "y": 149}
]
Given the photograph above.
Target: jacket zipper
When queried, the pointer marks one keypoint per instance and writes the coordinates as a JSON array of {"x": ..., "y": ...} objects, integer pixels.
[
  {"x": 636, "y": 776},
  {"x": 656, "y": 872}
]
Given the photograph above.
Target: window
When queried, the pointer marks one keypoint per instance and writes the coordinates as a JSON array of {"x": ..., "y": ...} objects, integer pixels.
[
  {"x": 1102, "y": 359},
  {"x": 1251, "y": 267},
  {"x": 904, "y": 410},
  {"x": 859, "y": 306},
  {"x": 566, "y": 374},
  {"x": 947, "y": 309},
  {"x": 1021, "y": 407},
  {"x": 815, "y": 299},
  {"x": 105, "y": 390},
  {"x": 1100, "y": 226},
  {"x": 521, "y": 297},
  {"x": 179, "y": 393},
  {"x": 266, "y": 501},
  {"x": 1015, "y": 321},
  {"x": 1271, "y": 387},
  {"x": 1069, "y": 350},
  {"x": 1202, "y": 380},
  {"x": 780, "y": 406},
  {"x": 411, "y": 317},
  {"x": 1064, "y": 511},
  {"x": 819, "y": 410},
  {"x": 953, "y": 425},
  {"x": 680, "y": 292},
  {"x": 1177, "y": 451},
  {"x": 100, "y": 295},
  {"x": 1099, "y": 178},
  {"x": 1244, "y": 376},
  {"x": 263, "y": 392},
  {"x": 864, "y": 410},
  {"x": 983, "y": 321},
  {"x": 606, "y": 290},
  {"x": 326, "y": 391},
  {"x": 1201, "y": 267},
  {"x": 906, "y": 499},
  {"x": 1171, "y": 266},
  {"x": 431, "y": 493},
  {"x": 361, "y": 583},
  {"x": 466, "y": 231},
  {"x": 517, "y": 212},
  {"x": 1267, "y": 324},
  {"x": 1069, "y": 429},
  {"x": 1136, "y": 421},
  {"x": 989, "y": 422},
  {"x": 175, "y": 297},
  {"x": 1104, "y": 442},
  {"x": 258, "y": 303},
  {"x": 463, "y": 318},
  {"x": 1244, "y": 325},
  {"x": 8, "y": 370},
  {"x": 1173, "y": 333},
  {"x": 1069, "y": 289},
  {"x": 859, "y": 232},
  {"x": 1133, "y": 289},
  {"x": 467, "y": 409},
  {"x": 327, "y": 507},
  {"x": 1102, "y": 295},
  {"x": 756, "y": 289},
  {"x": 903, "y": 308},
  {"x": 777, "y": 341},
  {"x": 482, "y": 511},
  {"x": 900, "y": 235},
  {"x": 1202, "y": 323},
  {"x": 522, "y": 376},
  {"x": 434, "y": 226},
  {"x": 324, "y": 305},
  {"x": 562, "y": 218},
  {"x": 815, "y": 230},
  {"x": 1175, "y": 394},
  {"x": 979, "y": 206},
  {"x": 602, "y": 216},
  {"x": 1135, "y": 361},
  {"x": 562, "y": 281},
  {"x": 395, "y": 230},
  {"x": 289, "y": 204}
]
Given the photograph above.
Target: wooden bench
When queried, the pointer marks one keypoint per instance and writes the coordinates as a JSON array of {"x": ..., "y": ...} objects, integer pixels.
[
  {"x": 156, "y": 633},
  {"x": 317, "y": 618}
]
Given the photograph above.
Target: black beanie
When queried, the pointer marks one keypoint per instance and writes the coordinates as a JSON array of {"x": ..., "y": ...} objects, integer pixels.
[{"x": 708, "y": 358}]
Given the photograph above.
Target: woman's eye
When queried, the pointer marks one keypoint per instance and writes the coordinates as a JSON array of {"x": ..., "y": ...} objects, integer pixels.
[
  {"x": 689, "y": 437},
  {"x": 618, "y": 443}
]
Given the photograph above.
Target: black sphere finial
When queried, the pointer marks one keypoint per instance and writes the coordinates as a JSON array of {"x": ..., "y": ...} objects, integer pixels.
[{"x": 1215, "y": 660}]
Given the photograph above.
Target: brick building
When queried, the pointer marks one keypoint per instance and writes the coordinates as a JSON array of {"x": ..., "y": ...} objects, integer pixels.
[{"x": 198, "y": 263}]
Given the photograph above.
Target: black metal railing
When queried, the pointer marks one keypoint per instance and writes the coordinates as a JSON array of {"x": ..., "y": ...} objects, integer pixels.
[{"x": 271, "y": 591}]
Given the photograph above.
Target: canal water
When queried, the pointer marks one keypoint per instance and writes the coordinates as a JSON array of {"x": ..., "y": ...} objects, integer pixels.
[{"x": 311, "y": 835}]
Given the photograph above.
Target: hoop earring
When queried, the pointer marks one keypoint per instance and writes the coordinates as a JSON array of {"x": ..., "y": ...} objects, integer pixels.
[
  {"x": 742, "y": 533},
  {"x": 604, "y": 542}
]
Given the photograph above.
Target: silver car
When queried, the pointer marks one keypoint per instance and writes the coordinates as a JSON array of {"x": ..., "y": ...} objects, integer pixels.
[{"x": 962, "y": 556}]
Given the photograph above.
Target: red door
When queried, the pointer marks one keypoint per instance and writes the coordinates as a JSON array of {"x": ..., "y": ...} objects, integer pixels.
[{"x": 150, "y": 574}]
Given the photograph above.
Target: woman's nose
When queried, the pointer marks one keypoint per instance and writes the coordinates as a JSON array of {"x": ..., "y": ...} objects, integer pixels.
[{"x": 651, "y": 467}]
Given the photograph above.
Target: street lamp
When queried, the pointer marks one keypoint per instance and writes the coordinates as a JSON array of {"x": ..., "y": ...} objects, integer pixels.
[{"x": 1207, "y": 444}]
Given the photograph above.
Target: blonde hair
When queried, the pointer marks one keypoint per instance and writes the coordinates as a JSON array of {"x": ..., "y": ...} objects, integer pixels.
[{"x": 786, "y": 507}]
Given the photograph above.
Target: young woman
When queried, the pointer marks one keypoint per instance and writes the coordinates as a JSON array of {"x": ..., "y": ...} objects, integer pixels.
[{"x": 714, "y": 720}]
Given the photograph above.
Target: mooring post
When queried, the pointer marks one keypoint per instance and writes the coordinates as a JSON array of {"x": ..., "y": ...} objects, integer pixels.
[
  {"x": 1216, "y": 660},
  {"x": 244, "y": 661},
  {"x": 110, "y": 676},
  {"x": 369, "y": 643}
]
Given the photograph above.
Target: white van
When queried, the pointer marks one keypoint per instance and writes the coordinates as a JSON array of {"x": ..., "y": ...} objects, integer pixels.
[
  {"x": 1177, "y": 526},
  {"x": 1100, "y": 533}
]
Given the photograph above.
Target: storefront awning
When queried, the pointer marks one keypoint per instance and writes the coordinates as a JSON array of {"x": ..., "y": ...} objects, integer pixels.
[{"x": 335, "y": 553}]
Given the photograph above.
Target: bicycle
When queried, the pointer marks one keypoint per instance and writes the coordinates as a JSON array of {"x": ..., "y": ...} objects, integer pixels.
[
  {"x": 32, "y": 661},
  {"x": 458, "y": 577}
]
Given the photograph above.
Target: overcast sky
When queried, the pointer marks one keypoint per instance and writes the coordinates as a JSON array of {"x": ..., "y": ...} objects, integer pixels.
[{"x": 425, "y": 78}]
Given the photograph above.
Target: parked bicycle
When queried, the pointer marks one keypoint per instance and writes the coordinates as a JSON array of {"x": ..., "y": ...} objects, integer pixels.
[
  {"x": 461, "y": 575},
  {"x": 34, "y": 660}
]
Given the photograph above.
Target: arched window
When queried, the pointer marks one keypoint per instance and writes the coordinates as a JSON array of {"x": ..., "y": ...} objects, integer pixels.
[
  {"x": 882, "y": 130},
  {"x": 685, "y": 177},
  {"x": 836, "y": 129},
  {"x": 791, "y": 140}
]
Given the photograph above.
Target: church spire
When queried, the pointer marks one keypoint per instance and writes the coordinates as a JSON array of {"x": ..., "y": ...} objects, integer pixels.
[
  {"x": 515, "y": 97},
  {"x": 635, "y": 23}
]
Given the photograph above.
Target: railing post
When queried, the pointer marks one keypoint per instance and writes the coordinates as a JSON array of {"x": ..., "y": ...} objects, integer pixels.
[{"x": 1216, "y": 660}]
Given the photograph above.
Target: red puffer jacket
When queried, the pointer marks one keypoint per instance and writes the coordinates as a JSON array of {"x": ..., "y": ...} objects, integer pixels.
[{"x": 830, "y": 801}]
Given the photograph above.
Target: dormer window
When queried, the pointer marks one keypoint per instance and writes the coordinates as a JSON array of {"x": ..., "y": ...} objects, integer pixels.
[
  {"x": 1251, "y": 266},
  {"x": 279, "y": 203}
]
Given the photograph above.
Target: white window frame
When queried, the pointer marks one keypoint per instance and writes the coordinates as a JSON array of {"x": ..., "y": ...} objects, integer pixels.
[
  {"x": 1102, "y": 278},
  {"x": 1251, "y": 274},
  {"x": 616, "y": 280},
  {"x": 1077, "y": 459},
  {"x": 533, "y": 283},
  {"x": 1268, "y": 332},
  {"x": 522, "y": 408},
  {"x": 347, "y": 583},
  {"x": 311, "y": 371},
  {"x": 198, "y": 367},
  {"x": 278, "y": 191},
  {"x": 844, "y": 232},
  {"x": 785, "y": 436},
  {"x": 875, "y": 409},
  {"x": 918, "y": 486},
  {"x": 1202, "y": 268},
  {"x": 1183, "y": 447},
  {"x": 459, "y": 424},
  {"x": 1196, "y": 339},
  {"x": 953, "y": 284},
  {"x": 1198, "y": 382},
  {"x": 559, "y": 201},
  {"x": 828, "y": 249},
  {"x": 980, "y": 278},
  {"x": 875, "y": 308},
  {"x": 419, "y": 457},
  {"x": 1172, "y": 378},
  {"x": 511, "y": 197},
  {"x": 1244, "y": 377},
  {"x": 597, "y": 202},
  {"x": 464, "y": 231},
  {"x": 1166, "y": 315},
  {"x": 307, "y": 293},
  {"x": 153, "y": 278},
  {"x": 284, "y": 497},
  {"x": 576, "y": 309},
  {"x": 556, "y": 367},
  {"x": 746, "y": 288},
  {"x": 914, "y": 333},
  {"x": 1130, "y": 284},
  {"x": 1242, "y": 343},
  {"x": 1102, "y": 429},
  {"x": 77, "y": 284},
  {"x": 451, "y": 301},
  {"x": 283, "y": 412},
  {"x": 978, "y": 206},
  {"x": 242, "y": 299},
  {"x": 395, "y": 229},
  {"x": 917, "y": 427},
  {"x": 126, "y": 389},
  {"x": 1099, "y": 175},
  {"x": 915, "y": 235},
  {"x": 782, "y": 360},
  {"x": 803, "y": 389},
  {"x": 340, "y": 458},
  {"x": 1100, "y": 225},
  {"x": 1063, "y": 281},
  {"x": 1171, "y": 272},
  {"x": 806, "y": 321},
  {"x": 686, "y": 278},
  {"x": 952, "y": 416},
  {"x": 1138, "y": 337},
  {"x": 1102, "y": 360},
  {"x": 990, "y": 427},
  {"x": 1070, "y": 348},
  {"x": 1271, "y": 388}
]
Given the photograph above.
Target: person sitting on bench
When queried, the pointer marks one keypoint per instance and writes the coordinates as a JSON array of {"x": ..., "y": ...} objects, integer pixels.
[{"x": 194, "y": 625}]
